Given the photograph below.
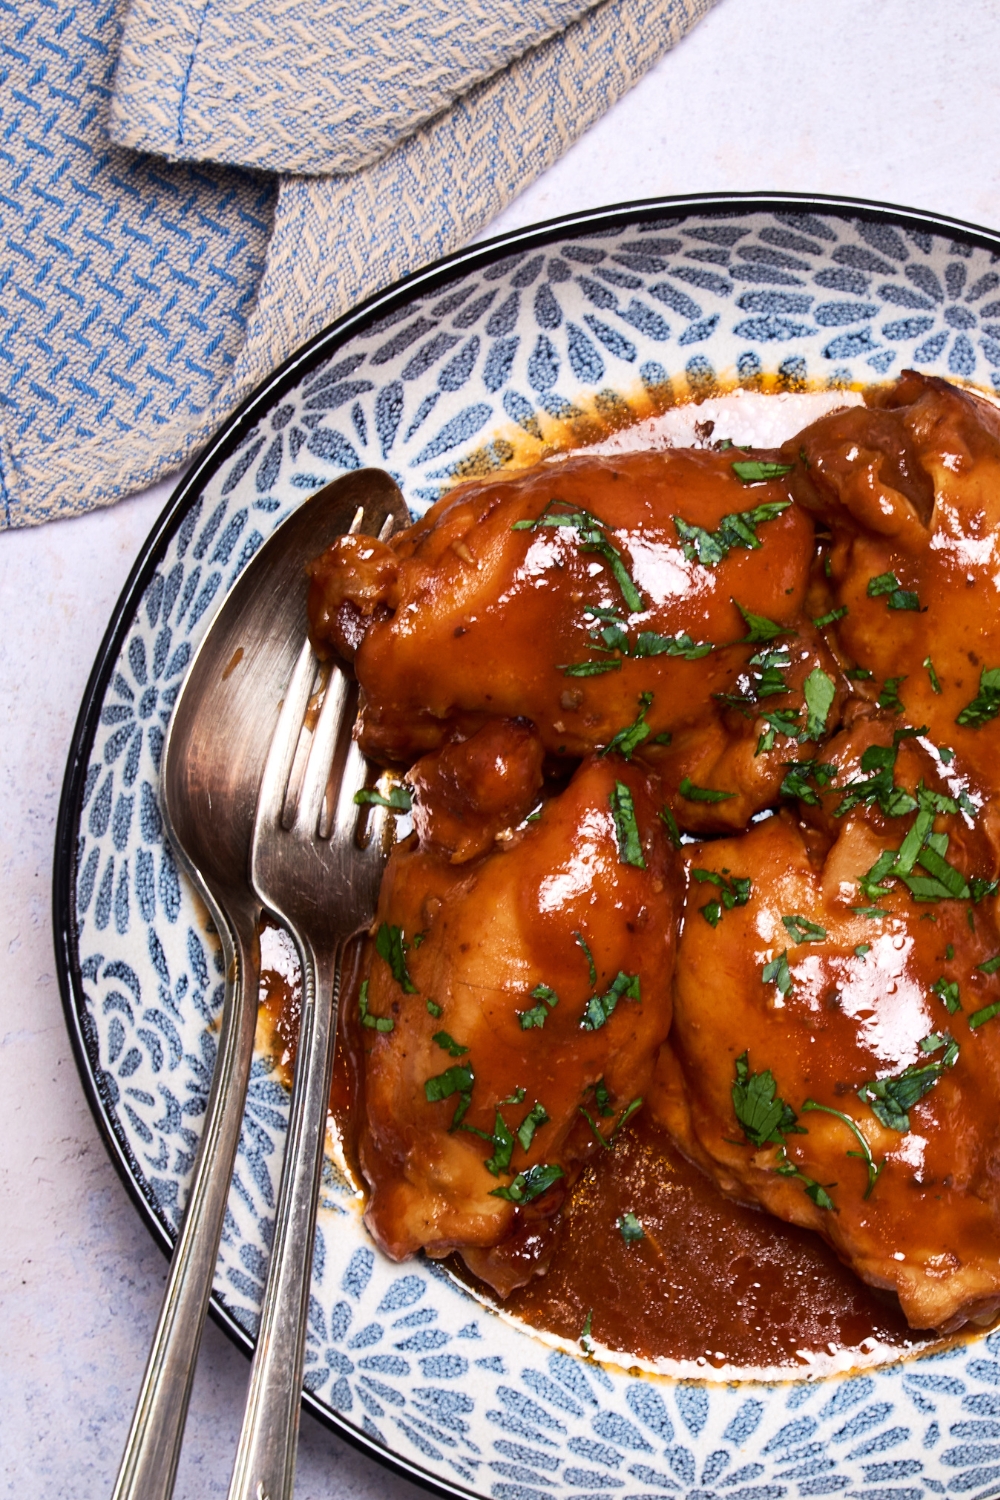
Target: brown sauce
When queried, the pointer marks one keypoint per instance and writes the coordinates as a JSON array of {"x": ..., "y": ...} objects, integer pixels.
[{"x": 712, "y": 1283}]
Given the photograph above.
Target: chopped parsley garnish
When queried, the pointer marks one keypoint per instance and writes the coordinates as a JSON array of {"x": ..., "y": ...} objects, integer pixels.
[
  {"x": 602, "y": 1099},
  {"x": 891, "y": 1099},
  {"x": 819, "y": 692},
  {"x": 448, "y": 1044},
  {"x": 457, "y": 1079},
  {"x": 400, "y": 798},
  {"x": 762, "y": 1115},
  {"x": 586, "y": 1342},
  {"x": 434, "y": 1009},
  {"x": 591, "y": 967},
  {"x": 626, "y": 827},
  {"x": 628, "y": 740},
  {"x": 947, "y": 990},
  {"x": 980, "y": 1017},
  {"x": 831, "y": 617},
  {"x": 986, "y": 704},
  {"x": 648, "y": 643},
  {"x": 535, "y": 1018},
  {"x": 800, "y": 773},
  {"x": 778, "y": 721},
  {"x": 990, "y": 966},
  {"x": 801, "y": 930},
  {"x": 733, "y": 891},
  {"x": 865, "y": 1154},
  {"x": 376, "y": 1023},
  {"x": 738, "y": 529},
  {"x": 694, "y": 793},
  {"x": 630, "y": 1228},
  {"x": 923, "y": 849},
  {"x": 533, "y": 1120},
  {"x": 592, "y": 533},
  {"x": 503, "y": 1147},
  {"x": 860, "y": 674},
  {"x": 759, "y": 627},
  {"x": 670, "y": 823},
  {"x": 389, "y": 944},
  {"x": 889, "y": 696},
  {"x": 626, "y": 1114},
  {"x": 878, "y": 763},
  {"x": 529, "y": 1185},
  {"x": 590, "y": 668},
  {"x": 862, "y": 950},
  {"x": 600, "y": 1008},
  {"x": 812, "y": 1188},
  {"x": 888, "y": 586},
  {"x": 935, "y": 680},
  {"x": 758, "y": 470},
  {"x": 778, "y": 973}
]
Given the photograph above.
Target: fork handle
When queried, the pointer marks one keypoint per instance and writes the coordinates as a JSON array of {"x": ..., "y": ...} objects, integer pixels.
[
  {"x": 149, "y": 1463},
  {"x": 265, "y": 1458}
]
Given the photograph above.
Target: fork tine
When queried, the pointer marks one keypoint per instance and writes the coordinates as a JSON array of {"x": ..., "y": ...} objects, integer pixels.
[
  {"x": 281, "y": 756},
  {"x": 324, "y": 742}
]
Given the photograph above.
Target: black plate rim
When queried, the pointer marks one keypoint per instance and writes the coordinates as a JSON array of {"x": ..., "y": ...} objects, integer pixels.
[{"x": 229, "y": 437}]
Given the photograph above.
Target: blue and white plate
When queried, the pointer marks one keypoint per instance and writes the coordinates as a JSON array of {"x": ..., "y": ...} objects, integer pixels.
[{"x": 489, "y": 360}]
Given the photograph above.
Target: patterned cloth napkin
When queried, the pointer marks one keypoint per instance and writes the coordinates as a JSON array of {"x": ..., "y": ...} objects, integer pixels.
[{"x": 190, "y": 189}]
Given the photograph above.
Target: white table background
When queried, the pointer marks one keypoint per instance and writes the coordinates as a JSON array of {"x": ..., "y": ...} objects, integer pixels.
[{"x": 894, "y": 100}]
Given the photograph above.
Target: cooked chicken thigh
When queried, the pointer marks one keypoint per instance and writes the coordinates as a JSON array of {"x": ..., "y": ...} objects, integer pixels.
[
  {"x": 835, "y": 1055},
  {"x": 512, "y": 1011}
]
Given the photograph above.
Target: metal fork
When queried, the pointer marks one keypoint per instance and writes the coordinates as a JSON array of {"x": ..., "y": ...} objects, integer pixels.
[{"x": 316, "y": 867}]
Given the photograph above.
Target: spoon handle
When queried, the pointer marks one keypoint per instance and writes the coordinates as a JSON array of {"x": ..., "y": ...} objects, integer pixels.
[
  {"x": 149, "y": 1463},
  {"x": 265, "y": 1458}
]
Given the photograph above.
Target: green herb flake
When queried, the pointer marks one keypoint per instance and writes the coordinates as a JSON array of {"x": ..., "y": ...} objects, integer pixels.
[
  {"x": 873, "y": 913},
  {"x": 591, "y": 967},
  {"x": 626, "y": 827},
  {"x": 891, "y": 1099},
  {"x": 627, "y": 740},
  {"x": 692, "y": 793},
  {"x": 778, "y": 973},
  {"x": 434, "y": 1009},
  {"x": 602, "y": 1099},
  {"x": 589, "y": 668},
  {"x": 600, "y": 1008},
  {"x": 878, "y": 764},
  {"x": 648, "y": 643},
  {"x": 376, "y": 1023},
  {"x": 448, "y": 1044},
  {"x": 986, "y": 704},
  {"x": 736, "y": 530},
  {"x": 990, "y": 966},
  {"x": 862, "y": 950},
  {"x": 670, "y": 823},
  {"x": 819, "y": 692},
  {"x": 762, "y": 1115},
  {"x": 759, "y": 627},
  {"x": 630, "y": 1228},
  {"x": 529, "y": 1185},
  {"x": 935, "y": 680},
  {"x": 503, "y": 1147},
  {"x": 801, "y": 773},
  {"x": 389, "y": 944},
  {"x": 888, "y": 586},
  {"x": 759, "y": 471},
  {"x": 535, "y": 1018},
  {"x": 533, "y": 1120},
  {"x": 889, "y": 696},
  {"x": 860, "y": 674},
  {"x": 400, "y": 798},
  {"x": 831, "y": 618},
  {"x": 592, "y": 534},
  {"x": 456, "y": 1080},
  {"x": 734, "y": 891},
  {"x": 947, "y": 991},
  {"x": 812, "y": 1189},
  {"x": 586, "y": 1342},
  {"x": 980, "y": 1017},
  {"x": 801, "y": 930},
  {"x": 865, "y": 1154}
]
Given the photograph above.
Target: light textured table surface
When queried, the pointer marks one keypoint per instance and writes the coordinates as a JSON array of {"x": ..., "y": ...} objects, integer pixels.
[{"x": 897, "y": 100}]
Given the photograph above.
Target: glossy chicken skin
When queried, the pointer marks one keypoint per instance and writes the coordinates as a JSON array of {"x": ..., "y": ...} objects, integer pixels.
[
  {"x": 856, "y": 997},
  {"x": 911, "y": 488},
  {"x": 477, "y": 611},
  {"x": 500, "y": 983}
]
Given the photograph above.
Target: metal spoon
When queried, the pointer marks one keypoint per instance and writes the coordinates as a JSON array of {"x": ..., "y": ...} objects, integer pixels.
[{"x": 213, "y": 759}]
